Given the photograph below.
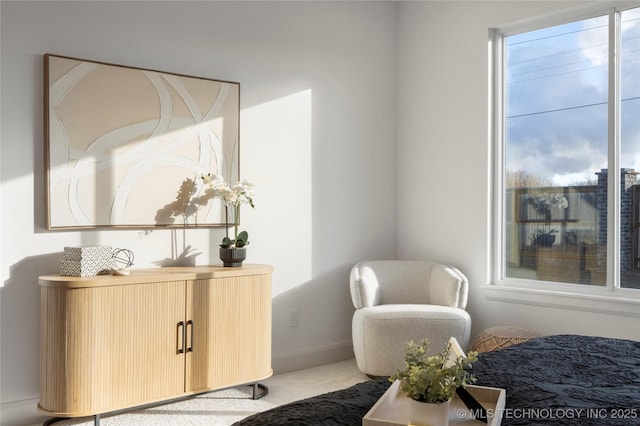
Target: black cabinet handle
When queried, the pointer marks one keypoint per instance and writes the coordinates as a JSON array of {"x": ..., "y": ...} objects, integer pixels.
[
  {"x": 180, "y": 337},
  {"x": 190, "y": 325}
]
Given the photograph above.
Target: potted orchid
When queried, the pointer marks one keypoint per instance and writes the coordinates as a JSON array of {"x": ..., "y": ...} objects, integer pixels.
[
  {"x": 542, "y": 203},
  {"x": 232, "y": 251}
]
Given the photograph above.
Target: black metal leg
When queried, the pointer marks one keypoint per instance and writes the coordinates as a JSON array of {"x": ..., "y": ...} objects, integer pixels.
[
  {"x": 96, "y": 420},
  {"x": 259, "y": 391},
  {"x": 265, "y": 390}
]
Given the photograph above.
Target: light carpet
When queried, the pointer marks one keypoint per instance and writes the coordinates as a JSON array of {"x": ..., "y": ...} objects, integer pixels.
[{"x": 231, "y": 405}]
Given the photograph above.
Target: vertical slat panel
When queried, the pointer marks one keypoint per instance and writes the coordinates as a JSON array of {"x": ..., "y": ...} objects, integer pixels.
[
  {"x": 139, "y": 362},
  {"x": 53, "y": 350},
  {"x": 107, "y": 348},
  {"x": 235, "y": 313}
]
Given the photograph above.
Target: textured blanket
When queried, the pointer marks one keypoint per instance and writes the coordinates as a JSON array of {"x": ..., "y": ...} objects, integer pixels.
[
  {"x": 554, "y": 380},
  {"x": 566, "y": 380},
  {"x": 344, "y": 407}
]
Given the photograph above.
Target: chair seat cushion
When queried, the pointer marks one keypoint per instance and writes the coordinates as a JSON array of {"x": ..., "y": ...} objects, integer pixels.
[{"x": 382, "y": 312}]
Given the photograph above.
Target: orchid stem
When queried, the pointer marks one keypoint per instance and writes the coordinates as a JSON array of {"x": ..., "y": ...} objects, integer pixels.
[
  {"x": 226, "y": 220},
  {"x": 235, "y": 220}
]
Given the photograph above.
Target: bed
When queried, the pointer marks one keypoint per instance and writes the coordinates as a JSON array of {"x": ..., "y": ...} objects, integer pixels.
[{"x": 553, "y": 380}]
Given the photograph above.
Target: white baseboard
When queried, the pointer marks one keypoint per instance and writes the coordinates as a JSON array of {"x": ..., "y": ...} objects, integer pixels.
[
  {"x": 21, "y": 413},
  {"x": 311, "y": 357}
]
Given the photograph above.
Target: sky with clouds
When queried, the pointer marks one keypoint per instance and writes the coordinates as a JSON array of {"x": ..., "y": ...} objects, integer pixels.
[{"x": 556, "y": 99}]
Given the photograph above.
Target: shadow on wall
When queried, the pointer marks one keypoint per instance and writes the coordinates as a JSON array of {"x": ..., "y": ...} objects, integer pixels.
[
  {"x": 20, "y": 319},
  {"x": 20, "y": 324},
  {"x": 185, "y": 258},
  {"x": 308, "y": 317}
]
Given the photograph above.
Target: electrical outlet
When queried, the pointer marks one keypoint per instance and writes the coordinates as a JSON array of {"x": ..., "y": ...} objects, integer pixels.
[{"x": 293, "y": 317}]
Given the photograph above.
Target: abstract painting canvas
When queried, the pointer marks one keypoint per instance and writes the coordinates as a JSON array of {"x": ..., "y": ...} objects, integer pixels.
[{"x": 125, "y": 147}]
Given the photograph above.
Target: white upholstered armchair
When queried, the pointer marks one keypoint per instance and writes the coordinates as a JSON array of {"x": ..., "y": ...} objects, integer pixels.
[{"x": 401, "y": 300}]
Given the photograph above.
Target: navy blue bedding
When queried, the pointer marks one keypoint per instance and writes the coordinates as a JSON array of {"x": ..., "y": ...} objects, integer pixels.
[{"x": 554, "y": 380}]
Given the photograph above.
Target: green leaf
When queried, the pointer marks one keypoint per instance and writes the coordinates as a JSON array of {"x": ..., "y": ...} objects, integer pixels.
[
  {"x": 424, "y": 377},
  {"x": 226, "y": 242}
]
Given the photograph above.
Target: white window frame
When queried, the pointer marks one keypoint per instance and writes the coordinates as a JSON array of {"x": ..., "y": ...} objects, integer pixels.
[{"x": 610, "y": 298}]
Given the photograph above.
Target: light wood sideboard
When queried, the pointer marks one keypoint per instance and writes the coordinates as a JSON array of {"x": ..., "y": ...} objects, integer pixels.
[{"x": 110, "y": 343}]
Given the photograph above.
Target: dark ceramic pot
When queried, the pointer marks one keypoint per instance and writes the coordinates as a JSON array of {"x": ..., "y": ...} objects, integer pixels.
[
  {"x": 545, "y": 240},
  {"x": 233, "y": 257}
]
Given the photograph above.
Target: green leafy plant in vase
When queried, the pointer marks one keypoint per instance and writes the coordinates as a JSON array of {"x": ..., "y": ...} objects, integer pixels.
[
  {"x": 432, "y": 380},
  {"x": 232, "y": 251}
]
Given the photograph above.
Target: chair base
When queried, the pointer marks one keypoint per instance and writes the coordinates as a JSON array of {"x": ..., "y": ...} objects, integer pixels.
[{"x": 381, "y": 333}]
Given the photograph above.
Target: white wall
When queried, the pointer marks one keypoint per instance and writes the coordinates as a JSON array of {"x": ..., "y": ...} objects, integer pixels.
[
  {"x": 318, "y": 87},
  {"x": 317, "y": 139},
  {"x": 443, "y": 149}
]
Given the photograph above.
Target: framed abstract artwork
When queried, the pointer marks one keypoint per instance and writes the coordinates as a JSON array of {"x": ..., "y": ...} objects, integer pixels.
[{"x": 126, "y": 147}]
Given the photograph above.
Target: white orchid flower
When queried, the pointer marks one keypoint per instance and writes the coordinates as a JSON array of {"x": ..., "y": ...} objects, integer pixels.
[
  {"x": 208, "y": 178},
  {"x": 233, "y": 197},
  {"x": 227, "y": 194},
  {"x": 215, "y": 182}
]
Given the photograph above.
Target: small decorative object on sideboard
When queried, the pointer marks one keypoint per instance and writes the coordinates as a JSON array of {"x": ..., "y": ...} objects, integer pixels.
[
  {"x": 232, "y": 251},
  {"x": 432, "y": 381},
  {"x": 86, "y": 261},
  {"x": 122, "y": 261}
]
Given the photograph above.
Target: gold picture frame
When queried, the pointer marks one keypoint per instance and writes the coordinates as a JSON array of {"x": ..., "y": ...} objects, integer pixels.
[{"x": 125, "y": 147}]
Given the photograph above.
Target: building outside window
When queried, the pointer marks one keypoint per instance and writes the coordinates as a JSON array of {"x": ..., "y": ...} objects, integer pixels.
[{"x": 567, "y": 115}]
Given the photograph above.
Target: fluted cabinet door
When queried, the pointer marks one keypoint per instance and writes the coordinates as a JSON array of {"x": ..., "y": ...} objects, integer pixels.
[
  {"x": 232, "y": 331},
  {"x": 111, "y": 347}
]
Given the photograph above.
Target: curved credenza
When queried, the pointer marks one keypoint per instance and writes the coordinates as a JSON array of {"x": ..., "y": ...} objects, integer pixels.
[{"x": 110, "y": 343}]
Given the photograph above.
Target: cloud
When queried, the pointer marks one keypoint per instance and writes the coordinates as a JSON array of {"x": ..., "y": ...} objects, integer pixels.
[{"x": 557, "y": 93}]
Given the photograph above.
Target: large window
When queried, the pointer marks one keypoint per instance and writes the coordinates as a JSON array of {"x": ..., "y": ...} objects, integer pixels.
[{"x": 569, "y": 116}]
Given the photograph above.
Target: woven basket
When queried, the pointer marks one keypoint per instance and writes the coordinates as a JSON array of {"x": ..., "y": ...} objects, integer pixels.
[{"x": 502, "y": 337}]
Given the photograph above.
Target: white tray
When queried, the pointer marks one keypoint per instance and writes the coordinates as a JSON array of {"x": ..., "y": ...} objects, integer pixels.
[{"x": 392, "y": 408}]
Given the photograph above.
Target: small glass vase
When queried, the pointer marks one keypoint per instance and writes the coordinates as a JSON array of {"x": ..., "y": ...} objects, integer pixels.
[
  {"x": 429, "y": 414},
  {"x": 233, "y": 257}
]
